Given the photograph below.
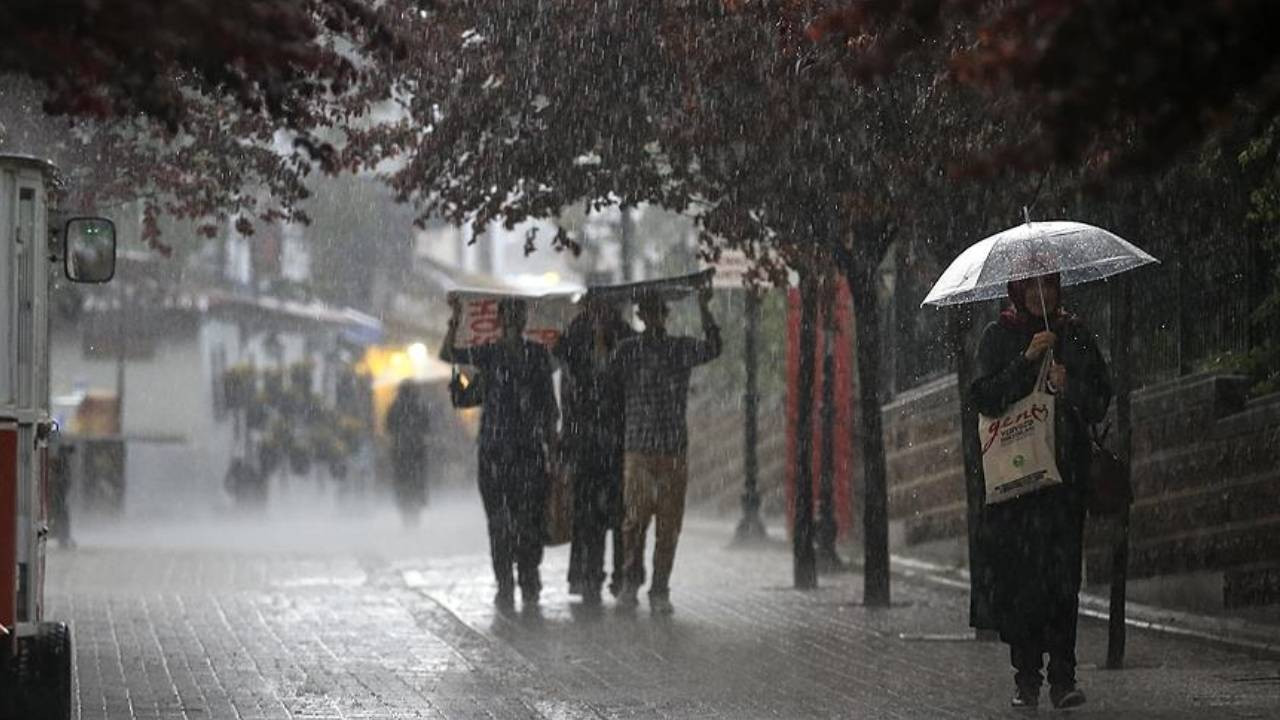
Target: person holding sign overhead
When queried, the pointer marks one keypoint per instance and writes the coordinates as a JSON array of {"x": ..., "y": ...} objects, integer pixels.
[
  {"x": 654, "y": 368},
  {"x": 517, "y": 435}
]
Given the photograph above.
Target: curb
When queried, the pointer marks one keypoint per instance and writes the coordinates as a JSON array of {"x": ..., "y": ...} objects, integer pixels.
[{"x": 1232, "y": 633}]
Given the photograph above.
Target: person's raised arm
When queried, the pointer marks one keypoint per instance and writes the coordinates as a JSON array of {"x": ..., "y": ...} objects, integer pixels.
[
  {"x": 707, "y": 349},
  {"x": 449, "y": 353}
]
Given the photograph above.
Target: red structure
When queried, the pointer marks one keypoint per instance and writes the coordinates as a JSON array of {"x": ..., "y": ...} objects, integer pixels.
[{"x": 835, "y": 311}]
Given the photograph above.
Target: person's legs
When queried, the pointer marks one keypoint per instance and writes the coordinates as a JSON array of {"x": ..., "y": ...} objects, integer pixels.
[
  {"x": 498, "y": 515},
  {"x": 1027, "y": 658},
  {"x": 672, "y": 481},
  {"x": 591, "y": 517},
  {"x": 594, "y": 528},
  {"x": 577, "y": 560},
  {"x": 638, "y": 492},
  {"x": 528, "y": 497},
  {"x": 1060, "y": 639}
]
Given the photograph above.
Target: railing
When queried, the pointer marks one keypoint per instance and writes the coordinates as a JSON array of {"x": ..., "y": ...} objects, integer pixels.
[{"x": 1190, "y": 313}]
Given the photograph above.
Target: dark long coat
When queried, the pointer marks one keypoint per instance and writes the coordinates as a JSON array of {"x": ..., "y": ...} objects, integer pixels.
[
  {"x": 593, "y": 421},
  {"x": 1034, "y": 543}
]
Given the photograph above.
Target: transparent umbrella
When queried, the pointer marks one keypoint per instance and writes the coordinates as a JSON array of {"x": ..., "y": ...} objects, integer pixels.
[{"x": 1079, "y": 252}]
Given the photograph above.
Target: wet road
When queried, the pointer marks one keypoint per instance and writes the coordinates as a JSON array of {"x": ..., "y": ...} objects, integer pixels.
[{"x": 336, "y": 618}]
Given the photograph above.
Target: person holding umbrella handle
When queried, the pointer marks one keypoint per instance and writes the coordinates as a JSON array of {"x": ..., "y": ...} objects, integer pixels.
[{"x": 1034, "y": 542}]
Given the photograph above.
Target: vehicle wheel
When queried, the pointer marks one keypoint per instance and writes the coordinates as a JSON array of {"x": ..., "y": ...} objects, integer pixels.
[{"x": 44, "y": 673}]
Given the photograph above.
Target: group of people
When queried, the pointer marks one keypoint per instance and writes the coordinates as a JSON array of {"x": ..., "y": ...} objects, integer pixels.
[{"x": 623, "y": 440}]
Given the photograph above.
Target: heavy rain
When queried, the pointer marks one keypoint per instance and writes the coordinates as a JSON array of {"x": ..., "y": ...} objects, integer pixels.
[{"x": 392, "y": 359}]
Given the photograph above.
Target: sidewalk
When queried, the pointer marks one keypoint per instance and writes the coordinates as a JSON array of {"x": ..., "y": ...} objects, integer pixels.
[
  {"x": 743, "y": 645},
  {"x": 335, "y": 625},
  {"x": 1253, "y": 633}
]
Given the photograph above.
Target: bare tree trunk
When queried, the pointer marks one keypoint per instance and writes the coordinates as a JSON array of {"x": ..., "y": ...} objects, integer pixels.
[
  {"x": 861, "y": 280},
  {"x": 805, "y": 565}
]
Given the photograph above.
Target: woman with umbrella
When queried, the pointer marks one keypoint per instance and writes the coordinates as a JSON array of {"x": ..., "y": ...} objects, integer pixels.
[{"x": 1034, "y": 542}]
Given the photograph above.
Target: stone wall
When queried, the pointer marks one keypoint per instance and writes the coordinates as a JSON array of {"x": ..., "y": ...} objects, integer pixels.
[
  {"x": 1207, "y": 484},
  {"x": 922, "y": 454},
  {"x": 1206, "y": 478}
]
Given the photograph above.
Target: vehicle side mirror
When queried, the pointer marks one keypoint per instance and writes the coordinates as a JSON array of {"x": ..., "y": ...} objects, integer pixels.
[{"x": 90, "y": 250}]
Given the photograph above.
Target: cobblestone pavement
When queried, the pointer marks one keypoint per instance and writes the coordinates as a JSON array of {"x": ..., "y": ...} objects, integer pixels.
[{"x": 358, "y": 619}]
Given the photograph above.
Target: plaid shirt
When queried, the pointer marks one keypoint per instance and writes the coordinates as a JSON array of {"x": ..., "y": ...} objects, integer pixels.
[{"x": 655, "y": 371}]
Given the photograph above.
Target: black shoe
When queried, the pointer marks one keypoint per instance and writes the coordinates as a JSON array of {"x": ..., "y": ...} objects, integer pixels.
[
  {"x": 628, "y": 598},
  {"x": 591, "y": 596},
  {"x": 1067, "y": 696},
  {"x": 530, "y": 596},
  {"x": 1026, "y": 697},
  {"x": 505, "y": 600},
  {"x": 661, "y": 605}
]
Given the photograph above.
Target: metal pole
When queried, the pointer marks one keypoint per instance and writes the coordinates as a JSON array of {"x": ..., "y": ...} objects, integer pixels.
[
  {"x": 828, "y": 559},
  {"x": 1122, "y": 320},
  {"x": 121, "y": 357},
  {"x": 750, "y": 528},
  {"x": 805, "y": 566}
]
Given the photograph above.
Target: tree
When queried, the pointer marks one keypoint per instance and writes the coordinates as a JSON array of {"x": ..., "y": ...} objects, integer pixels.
[
  {"x": 201, "y": 110},
  {"x": 723, "y": 110},
  {"x": 1118, "y": 84}
]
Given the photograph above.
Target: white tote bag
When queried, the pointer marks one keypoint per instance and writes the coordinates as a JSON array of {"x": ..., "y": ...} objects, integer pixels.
[{"x": 1018, "y": 448}]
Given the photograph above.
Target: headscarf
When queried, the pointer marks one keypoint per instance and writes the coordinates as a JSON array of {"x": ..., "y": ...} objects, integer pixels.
[{"x": 1018, "y": 317}]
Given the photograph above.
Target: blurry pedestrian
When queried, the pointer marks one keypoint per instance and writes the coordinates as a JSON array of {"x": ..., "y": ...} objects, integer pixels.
[
  {"x": 517, "y": 433},
  {"x": 1034, "y": 542},
  {"x": 655, "y": 369},
  {"x": 408, "y": 421},
  {"x": 60, "y": 474},
  {"x": 593, "y": 427}
]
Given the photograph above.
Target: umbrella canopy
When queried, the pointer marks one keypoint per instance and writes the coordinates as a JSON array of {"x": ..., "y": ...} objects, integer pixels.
[{"x": 1080, "y": 252}]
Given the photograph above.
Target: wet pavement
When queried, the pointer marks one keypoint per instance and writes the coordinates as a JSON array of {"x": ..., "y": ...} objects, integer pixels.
[{"x": 331, "y": 618}]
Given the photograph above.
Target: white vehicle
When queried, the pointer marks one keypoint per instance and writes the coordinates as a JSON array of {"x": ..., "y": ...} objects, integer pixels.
[{"x": 35, "y": 655}]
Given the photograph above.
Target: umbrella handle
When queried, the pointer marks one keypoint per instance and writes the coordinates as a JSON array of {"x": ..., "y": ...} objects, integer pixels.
[{"x": 1044, "y": 310}]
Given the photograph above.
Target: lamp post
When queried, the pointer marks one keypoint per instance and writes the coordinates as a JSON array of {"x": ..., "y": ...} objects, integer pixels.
[
  {"x": 750, "y": 528},
  {"x": 828, "y": 559}
]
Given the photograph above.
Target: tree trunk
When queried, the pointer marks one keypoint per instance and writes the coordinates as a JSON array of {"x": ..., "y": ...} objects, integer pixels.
[
  {"x": 875, "y": 510},
  {"x": 805, "y": 567}
]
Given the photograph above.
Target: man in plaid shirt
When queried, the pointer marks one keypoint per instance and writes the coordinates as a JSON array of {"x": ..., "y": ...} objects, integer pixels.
[{"x": 655, "y": 368}]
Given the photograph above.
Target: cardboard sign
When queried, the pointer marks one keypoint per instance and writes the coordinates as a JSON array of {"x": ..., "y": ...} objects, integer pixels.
[
  {"x": 667, "y": 288},
  {"x": 479, "y": 324}
]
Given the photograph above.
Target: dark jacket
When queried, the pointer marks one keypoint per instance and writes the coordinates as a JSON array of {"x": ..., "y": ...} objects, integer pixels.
[
  {"x": 519, "y": 397},
  {"x": 592, "y": 392},
  {"x": 1034, "y": 543}
]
